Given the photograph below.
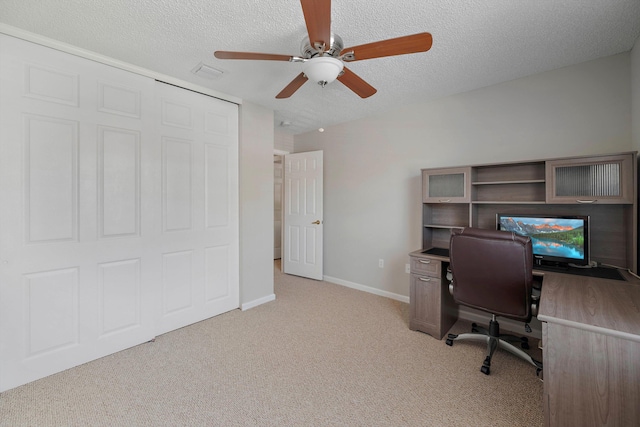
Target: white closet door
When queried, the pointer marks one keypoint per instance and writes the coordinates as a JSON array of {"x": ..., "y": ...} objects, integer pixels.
[
  {"x": 110, "y": 233},
  {"x": 200, "y": 236}
]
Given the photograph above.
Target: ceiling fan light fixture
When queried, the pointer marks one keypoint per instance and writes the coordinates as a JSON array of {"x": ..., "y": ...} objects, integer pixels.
[{"x": 322, "y": 69}]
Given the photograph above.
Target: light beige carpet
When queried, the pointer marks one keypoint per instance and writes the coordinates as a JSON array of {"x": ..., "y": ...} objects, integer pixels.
[{"x": 320, "y": 355}]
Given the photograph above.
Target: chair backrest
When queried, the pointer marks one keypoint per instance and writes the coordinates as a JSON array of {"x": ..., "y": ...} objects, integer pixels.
[{"x": 492, "y": 271}]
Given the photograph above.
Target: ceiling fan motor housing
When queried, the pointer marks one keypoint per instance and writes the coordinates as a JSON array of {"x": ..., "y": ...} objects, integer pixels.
[{"x": 335, "y": 47}]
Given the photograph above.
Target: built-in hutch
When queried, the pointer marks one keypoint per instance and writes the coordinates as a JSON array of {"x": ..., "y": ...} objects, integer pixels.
[{"x": 601, "y": 187}]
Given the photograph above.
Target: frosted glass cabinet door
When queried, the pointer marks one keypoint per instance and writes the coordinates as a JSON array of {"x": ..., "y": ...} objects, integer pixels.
[
  {"x": 593, "y": 180},
  {"x": 452, "y": 185}
]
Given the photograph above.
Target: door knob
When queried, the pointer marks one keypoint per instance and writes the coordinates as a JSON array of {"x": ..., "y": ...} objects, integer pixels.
[{"x": 316, "y": 222}]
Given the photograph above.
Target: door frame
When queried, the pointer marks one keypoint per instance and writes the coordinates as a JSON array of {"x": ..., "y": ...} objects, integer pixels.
[{"x": 281, "y": 153}]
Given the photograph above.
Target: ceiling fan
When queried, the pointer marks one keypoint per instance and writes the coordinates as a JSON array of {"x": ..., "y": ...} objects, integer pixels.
[{"x": 323, "y": 54}]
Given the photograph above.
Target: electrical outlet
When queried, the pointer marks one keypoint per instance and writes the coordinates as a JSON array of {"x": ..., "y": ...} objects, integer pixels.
[
  {"x": 381, "y": 263},
  {"x": 407, "y": 268}
]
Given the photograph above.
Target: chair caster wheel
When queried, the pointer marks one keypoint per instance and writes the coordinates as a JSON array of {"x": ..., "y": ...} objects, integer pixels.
[
  {"x": 474, "y": 327},
  {"x": 485, "y": 370},
  {"x": 449, "y": 342},
  {"x": 525, "y": 345}
]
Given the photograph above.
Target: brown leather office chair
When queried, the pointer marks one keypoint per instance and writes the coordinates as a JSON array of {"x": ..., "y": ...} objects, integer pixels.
[{"x": 492, "y": 271}]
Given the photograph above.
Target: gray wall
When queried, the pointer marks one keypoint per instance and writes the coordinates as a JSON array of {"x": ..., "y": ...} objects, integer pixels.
[
  {"x": 372, "y": 166},
  {"x": 256, "y": 205},
  {"x": 283, "y": 141}
]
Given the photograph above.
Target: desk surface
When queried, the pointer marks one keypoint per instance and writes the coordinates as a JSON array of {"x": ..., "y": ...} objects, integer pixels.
[{"x": 610, "y": 307}]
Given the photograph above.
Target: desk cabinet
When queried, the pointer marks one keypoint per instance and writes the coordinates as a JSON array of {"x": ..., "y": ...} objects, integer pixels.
[
  {"x": 431, "y": 308},
  {"x": 591, "y": 379},
  {"x": 591, "y": 351}
]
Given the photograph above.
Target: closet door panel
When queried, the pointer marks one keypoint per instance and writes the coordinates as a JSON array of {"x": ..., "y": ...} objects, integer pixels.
[
  {"x": 77, "y": 273},
  {"x": 200, "y": 235}
]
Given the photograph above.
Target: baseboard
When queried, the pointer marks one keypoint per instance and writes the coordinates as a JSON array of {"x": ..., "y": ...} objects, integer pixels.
[
  {"x": 368, "y": 289},
  {"x": 257, "y": 302}
]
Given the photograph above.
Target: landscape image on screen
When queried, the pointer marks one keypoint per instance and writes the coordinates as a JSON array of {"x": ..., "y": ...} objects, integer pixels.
[{"x": 556, "y": 237}]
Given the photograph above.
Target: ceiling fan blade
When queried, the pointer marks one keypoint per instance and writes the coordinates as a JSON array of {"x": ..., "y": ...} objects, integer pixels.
[
  {"x": 292, "y": 87},
  {"x": 224, "y": 54},
  {"x": 356, "y": 84},
  {"x": 420, "y": 42},
  {"x": 317, "y": 15}
]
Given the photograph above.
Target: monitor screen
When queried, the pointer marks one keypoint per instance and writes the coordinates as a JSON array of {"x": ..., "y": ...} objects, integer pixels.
[{"x": 559, "y": 239}]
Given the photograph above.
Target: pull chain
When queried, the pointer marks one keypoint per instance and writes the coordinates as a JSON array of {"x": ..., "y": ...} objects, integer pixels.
[{"x": 322, "y": 95}]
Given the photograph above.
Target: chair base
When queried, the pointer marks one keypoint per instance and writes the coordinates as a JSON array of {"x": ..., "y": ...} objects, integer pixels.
[{"x": 495, "y": 339}]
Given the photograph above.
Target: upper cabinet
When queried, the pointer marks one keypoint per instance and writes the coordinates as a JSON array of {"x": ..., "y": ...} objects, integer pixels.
[
  {"x": 601, "y": 187},
  {"x": 591, "y": 180},
  {"x": 451, "y": 185}
]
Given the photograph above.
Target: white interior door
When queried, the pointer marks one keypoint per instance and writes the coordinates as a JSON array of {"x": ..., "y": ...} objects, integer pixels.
[{"x": 303, "y": 219}]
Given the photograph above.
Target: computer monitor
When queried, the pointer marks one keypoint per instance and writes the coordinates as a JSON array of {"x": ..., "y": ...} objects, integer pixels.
[{"x": 556, "y": 240}]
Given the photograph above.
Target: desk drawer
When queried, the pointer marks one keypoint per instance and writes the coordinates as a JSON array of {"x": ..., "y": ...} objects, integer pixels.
[{"x": 426, "y": 266}]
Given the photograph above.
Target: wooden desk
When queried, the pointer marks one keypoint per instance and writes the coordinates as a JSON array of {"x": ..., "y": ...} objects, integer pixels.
[
  {"x": 591, "y": 351},
  {"x": 590, "y": 327},
  {"x": 590, "y": 338}
]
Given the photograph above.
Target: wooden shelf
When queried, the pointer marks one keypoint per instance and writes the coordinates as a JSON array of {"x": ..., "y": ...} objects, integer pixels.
[
  {"x": 508, "y": 202},
  {"x": 524, "y": 181}
]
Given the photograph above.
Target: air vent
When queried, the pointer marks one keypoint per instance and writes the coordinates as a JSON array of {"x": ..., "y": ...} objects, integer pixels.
[{"x": 207, "y": 72}]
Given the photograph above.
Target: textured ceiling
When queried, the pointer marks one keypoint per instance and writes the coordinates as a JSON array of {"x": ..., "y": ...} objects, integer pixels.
[{"x": 475, "y": 44}]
